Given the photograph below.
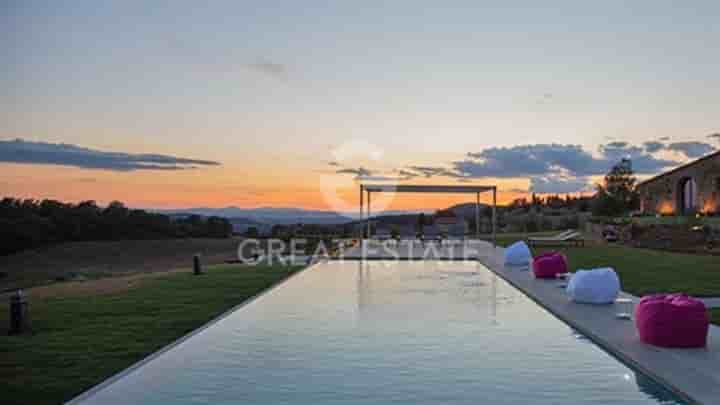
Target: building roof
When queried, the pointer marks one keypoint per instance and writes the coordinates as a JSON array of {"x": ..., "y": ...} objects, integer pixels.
[
  {"x": 681, "y": 167},
  {"x": 446, "y": 217},
  {"x": 445, "y": 214}
]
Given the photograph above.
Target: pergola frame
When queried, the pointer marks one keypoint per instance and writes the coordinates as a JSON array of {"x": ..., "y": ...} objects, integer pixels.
[{"x": 381, "y": 188}]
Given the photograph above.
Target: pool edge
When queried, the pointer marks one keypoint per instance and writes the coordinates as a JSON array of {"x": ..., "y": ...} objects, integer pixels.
[
  {"x": 128, "y": 370},
  {"x": 605, "y": 346}
]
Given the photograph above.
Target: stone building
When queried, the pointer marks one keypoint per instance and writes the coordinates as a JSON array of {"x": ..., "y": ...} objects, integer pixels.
[{"x": 686, "y": 190}]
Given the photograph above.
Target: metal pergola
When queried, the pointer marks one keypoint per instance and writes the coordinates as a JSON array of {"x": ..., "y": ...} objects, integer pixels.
[{"x": 380, "y": 188}]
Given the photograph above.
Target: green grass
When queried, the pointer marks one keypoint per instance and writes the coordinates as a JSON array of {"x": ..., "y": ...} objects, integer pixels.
[
  {"x": 80, "y": 341},
  {"x": 644, "y": 271},
  {"x": 715, "y": 316}
]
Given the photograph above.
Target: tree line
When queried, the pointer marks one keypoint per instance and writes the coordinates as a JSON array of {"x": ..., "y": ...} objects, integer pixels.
[
  {"x": 617, "y": 195},
  {"x": 29, "y": 223}
]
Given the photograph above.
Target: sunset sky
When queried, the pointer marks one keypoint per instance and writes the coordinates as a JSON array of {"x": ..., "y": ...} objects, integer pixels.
[{"x": 290, "y": 104}]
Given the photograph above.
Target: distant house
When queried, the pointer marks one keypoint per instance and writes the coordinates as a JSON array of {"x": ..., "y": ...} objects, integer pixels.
[
  {"x": 446, "y": 220},
  {"x": 688, "y": 189},
  {"x": 407, "y": 231}
]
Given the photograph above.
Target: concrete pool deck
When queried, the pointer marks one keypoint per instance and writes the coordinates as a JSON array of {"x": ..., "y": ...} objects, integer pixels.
[{"x": 691, "y": 373}]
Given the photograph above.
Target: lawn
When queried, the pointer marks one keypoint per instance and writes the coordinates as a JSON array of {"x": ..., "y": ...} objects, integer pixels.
[
  {"x": 715, "y": 316},
  {"x": 80, "y": 340},
  {"x": 644, "y": 271}
]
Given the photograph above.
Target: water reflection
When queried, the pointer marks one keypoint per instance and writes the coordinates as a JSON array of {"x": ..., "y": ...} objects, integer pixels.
[{"x": 384, "y": 291}]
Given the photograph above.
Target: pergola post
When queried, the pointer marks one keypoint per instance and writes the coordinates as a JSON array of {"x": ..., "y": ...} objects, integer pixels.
[
  {"x": 362, "y": 210},
  {"x": 477, "y": 216},
  {"x": 368, "y": 214},
  {"x": 494, "y": 217}
]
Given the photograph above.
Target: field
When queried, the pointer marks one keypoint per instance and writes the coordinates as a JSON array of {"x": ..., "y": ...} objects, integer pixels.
[
  {"x": 83, "y": 335},
  {"x": 92, "y": 260}
]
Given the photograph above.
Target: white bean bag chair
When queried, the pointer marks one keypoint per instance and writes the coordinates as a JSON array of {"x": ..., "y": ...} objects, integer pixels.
[
  {"x": 597, "y": 286},
  {"x": 518, "y": 254}
]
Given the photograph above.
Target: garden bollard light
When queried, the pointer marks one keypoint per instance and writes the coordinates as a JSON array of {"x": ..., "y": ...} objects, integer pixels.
[
  {"x": 197, "y": 269},
  {"x": 18, "y": 313}
]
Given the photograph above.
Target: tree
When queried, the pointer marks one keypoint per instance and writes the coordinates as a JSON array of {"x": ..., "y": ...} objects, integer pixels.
[
  {"x": 617, "y": 195},
  {"x": 394, "y": 232},
  {"x": 252, "y": 232},
  {"x": 30, "y": 223}
]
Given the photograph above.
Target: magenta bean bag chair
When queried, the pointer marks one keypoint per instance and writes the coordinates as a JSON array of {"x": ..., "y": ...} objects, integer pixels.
[
  {"x": 672, "y": 320},
  {"x": 548, "y": 265}
]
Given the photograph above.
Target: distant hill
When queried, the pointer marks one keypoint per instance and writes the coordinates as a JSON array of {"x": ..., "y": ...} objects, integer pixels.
[
  {"x": 266, "y": 215},
  {"x": 466, "y": 210},
  {"x": 241, "y": 225},
  {"x": 272, "y": 216},
  {"x": 264, "y": 218},
  {"x": 405, "y": 219}
]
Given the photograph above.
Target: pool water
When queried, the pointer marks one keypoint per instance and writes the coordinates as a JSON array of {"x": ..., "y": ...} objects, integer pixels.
[{"x": 412, "y": 332}]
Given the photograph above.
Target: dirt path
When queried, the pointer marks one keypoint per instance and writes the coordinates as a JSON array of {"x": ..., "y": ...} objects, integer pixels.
[
  {"x": 104, "y": 286},
  {"x": 96, "y": 260}
]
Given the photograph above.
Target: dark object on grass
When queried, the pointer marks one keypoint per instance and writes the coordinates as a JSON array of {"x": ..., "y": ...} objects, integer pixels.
[
  {"x": 19, "y": 316},
  {"x": 234, "y": 261},
  {"x": 197, "y": 267},
  {"x": 610, "y": 234}
]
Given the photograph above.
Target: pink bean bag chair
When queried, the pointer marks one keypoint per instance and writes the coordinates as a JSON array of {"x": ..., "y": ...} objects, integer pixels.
[
  {"x": 548, "y": 265},
  {"x": 672, "y": 320}
]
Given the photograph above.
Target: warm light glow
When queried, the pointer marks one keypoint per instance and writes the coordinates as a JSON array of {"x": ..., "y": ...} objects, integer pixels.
[
  {"x": 709, "y": 206},
  {"x": 666, "y": 208}
]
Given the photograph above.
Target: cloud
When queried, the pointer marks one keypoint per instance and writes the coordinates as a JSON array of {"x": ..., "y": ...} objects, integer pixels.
[
  {"x": 691, "y": 149},
  {"x": 653, "y": 146},
  {"x": 359, "y": 172},
  {"x": 363, "y": 174},
  {"x": 407, "y": 174},
  {"x": 554, "y": 168},
  {"x": 21, "y": 151},
  {"x": 430, "y": 171},
  {"x": 616, "y": 144},
  {"x": 272, "y": 69},
  {"x": 642, "y": 161},
  {"x": 378, "y": 178},
  {"x": 559, "y": 185},
  {"x": 545, "y": 159}
]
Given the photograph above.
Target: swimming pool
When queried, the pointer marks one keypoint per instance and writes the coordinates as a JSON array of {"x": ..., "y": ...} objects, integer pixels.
[{"x": 410, "y": 332}]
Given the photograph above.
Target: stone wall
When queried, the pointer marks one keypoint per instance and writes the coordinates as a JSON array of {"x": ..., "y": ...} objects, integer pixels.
[{"x": 662, "y": 194}]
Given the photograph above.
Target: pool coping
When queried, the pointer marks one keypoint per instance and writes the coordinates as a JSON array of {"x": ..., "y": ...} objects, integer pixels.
[
  {"x": 130, "y": 369},
  {"x": 695, "y": 387}
]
